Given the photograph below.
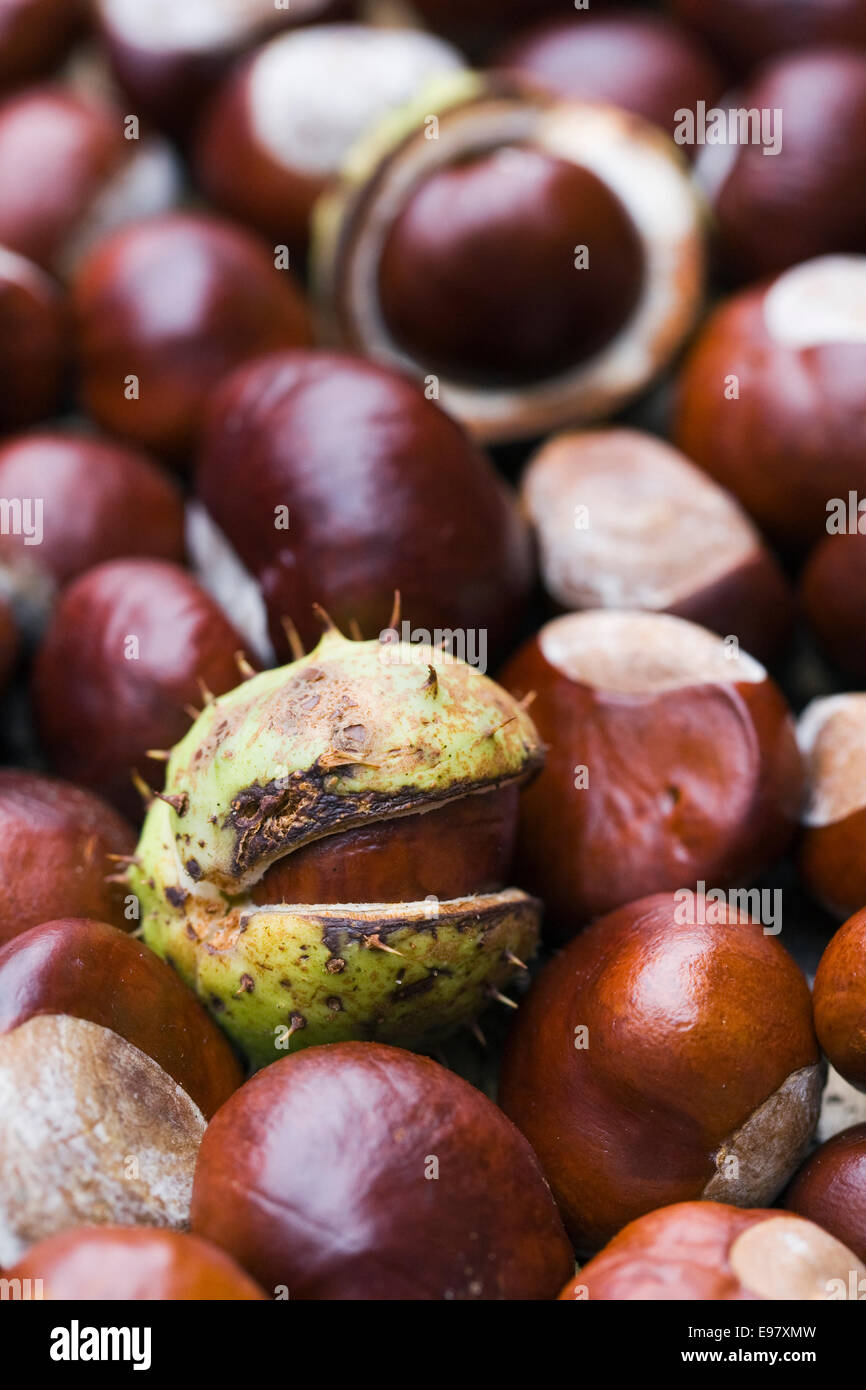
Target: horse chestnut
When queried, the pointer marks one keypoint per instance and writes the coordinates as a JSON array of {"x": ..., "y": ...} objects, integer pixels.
[
  {"x": 672, "y": 759},
  {"x": 32, "y": 343},
  {"x": 109, "y": 1069},
  {"x": 840, "y": 1000},
  {"x": 745, "y": 32},
  {"x": 625, "y": 521},
  {"x": 77, "y": 501},
  {"x": 641, "y": 62},
  {"x": 830, "y": 1188},
  {"x": 539, "y": 261},
  {"x": 770, "y": 399},
  {"x": 327, "y": 1173},
  {"x": 343, "y": 776},
  {"x": 362, "y": 486},
  {"x": 712, "y": 1252},
  {"x": 256, "y": 158},
  {"x": 133, "y": 644},
  {"x": 833, "y": 595},
  {"x": 35, "y": 35},
  {"x": 58, "y": 844},
  {"x": 832, "y": 737},
  {"x": 133, "y": 1264},
  {"x": 172, "y": 305},
  {"x": 664, "y": 1056},
  {"x": 68, "y": 176}
]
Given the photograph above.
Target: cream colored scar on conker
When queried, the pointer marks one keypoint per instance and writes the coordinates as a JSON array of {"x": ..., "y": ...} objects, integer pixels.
[
  {"x": 820, "y": 302},
  {"x": 788, "y": 1258},
  {"x": 831, "y": 734}
]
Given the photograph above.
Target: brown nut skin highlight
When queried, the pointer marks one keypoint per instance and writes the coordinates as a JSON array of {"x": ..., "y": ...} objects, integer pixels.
[
  {"x": 317, "y": 1176},
  {"x": 35, "y": 35},
  {"x": 67, "y": 174},
  {"x": 830, "y": 1188},
  {"x": 668, "y": 763},
  {"x": 132, "y": 320},
  {"x": 839, "y": 998},
  {"x": 385, "y": 492},
  {"x": 254, "y": 156},
  {"x": 100, "y": 500},
  {"x": 641, "y": 62},
  {"x": 699, "y": 1051},
  {"x": 169, "y": 66},
  {"x": 770, "y": 397},
  {"x": 133, "y": 1264},
  {"x": 809, "y": 198},
  {"x": 55, "y": 846},
  {"x": 712, "y": 1252},
  {"x": 832, "y": 849},
  {"x": 833, "y": 597},
  {"x": 744, "y": 32},
  {"x": 119, "y": 700},
  {"x": 625, "y": 521},
  {"x": 89, "y": 970},
  {"x": 32, "y": 343}
]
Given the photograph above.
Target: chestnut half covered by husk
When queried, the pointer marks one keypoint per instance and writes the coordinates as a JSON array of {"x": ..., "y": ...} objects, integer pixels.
[{"x": 385, "y": 768}]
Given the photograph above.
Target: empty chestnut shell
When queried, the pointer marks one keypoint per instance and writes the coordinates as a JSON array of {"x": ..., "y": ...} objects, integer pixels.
[
  {"x": 328, "y": 1172},
  {"x": 56, "y": 843},
  {"x": 830, "y": 1188},
  {"x": 712, "y": 1252},
  {"x": 109, "y": 1069},
  {"x": 659, "y": 1059},
  {"x": 175, "y": 303},
  {"x": 132, "y": 644},
  {"x": 378, "y": 489},
  {"x": 672, "y": 759},
  {"x": 133, "y": 1264},
  {"x": 832, "y": 855},
  {"x": 625, "y": 521},
  {"x": 770, "y": 400},
  {"x": 840, "y": 1000},
  {"x": 536, "y": 263},
  {"x": 68, "y": 176},
  {"x": 641, "y": 62},
  {"x": 32, "y": 346}
]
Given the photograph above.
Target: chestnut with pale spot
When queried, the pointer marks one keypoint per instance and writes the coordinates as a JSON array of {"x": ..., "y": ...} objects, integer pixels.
[
  {"x": 830, "y": 1189},
  {"x": 832, "y": 736},
  {"x": 699, "y": 1077},
  {"x": 708, "y": 1251}
]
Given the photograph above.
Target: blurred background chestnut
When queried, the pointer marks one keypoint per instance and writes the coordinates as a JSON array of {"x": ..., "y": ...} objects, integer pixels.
[
  {"x": 132, "y": 645},
  {"x": 35, "y": 35},
  {"x": 745, "y": 32},
  {"x": 33, "y": 343}
]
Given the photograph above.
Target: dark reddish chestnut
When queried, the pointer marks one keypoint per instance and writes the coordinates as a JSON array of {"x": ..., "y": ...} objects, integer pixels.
[
  {"x": 830, "y": 1188},
  {"x": 744, "y": 32},
  {"x": 667, "y": 1054},
  {"x": 412, "y": 1157},
  {"x": 134, "y": 1264},
  {"x": 68, "y": 175},
  {"x": 35, "y": 35},
  {"x": 832, "y": 737},
  {"x": 56, "y": 848},
  {"x": 770, "y": 399},
  {"x": 132, "y": 645},
  {"x": 476, "y": 24},
  {"x": 671, "y": 759},
  {"x": 833, "y": 595},
  {"x": 536, "y": 263},
  {"x": 840, "y": 1000},
  {"x": 32, "y": 342},
  {"x": 166, "y": 308},
  {"x": 798, "y": 189},
  {"x": 337, "y": 482},
  {"x": 76, "y": 501},
  {"x": 713, "y": 1252},
  {"x": 256, "y": 158},
  {"x": 639, "y": 61},
  {"x": 169, "y": 57},
  {"x": 8, "y": 642},
  {"x": 625, "y": 521},
  {"x": 109, "y": 1070}
]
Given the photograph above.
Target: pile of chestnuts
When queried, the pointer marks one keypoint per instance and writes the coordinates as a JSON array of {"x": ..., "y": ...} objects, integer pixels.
[{"x": 432, "y": 630}]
